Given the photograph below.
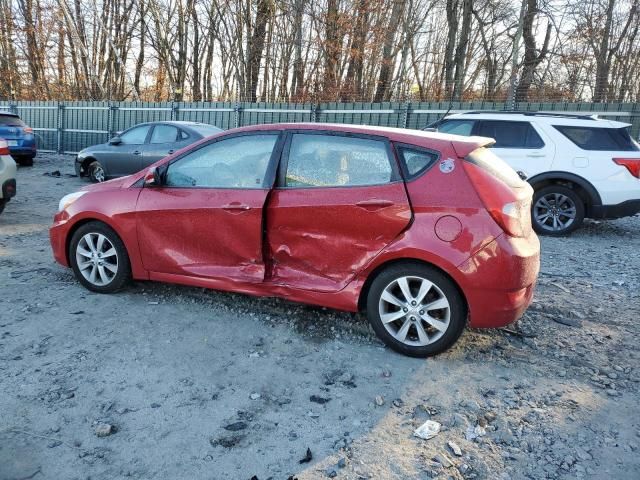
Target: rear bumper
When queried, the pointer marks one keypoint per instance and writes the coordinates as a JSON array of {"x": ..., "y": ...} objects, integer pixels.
[
  {"x": 624, "y": 209},
  {"x": 500, "y": 280}
]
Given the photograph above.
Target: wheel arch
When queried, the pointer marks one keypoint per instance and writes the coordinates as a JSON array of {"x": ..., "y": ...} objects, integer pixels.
[
  {"x": 84, "y": 221},
  {"x": 371, "y": 276},
  {"x": 583, "y": 188}
]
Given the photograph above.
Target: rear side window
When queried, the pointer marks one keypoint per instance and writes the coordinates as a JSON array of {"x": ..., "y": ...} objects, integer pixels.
[
  {"x": 10, "y": 121},
  {"x": 594, "y": 138},
  {"x": 510, "y": 134},
  {"x": 415, "y": 160},
  {"x": 457, "y": 127},
  {"x": 337, "y": 161},
  {"x": 164, "y": 134},
  {"x": 487, "y": 160}
]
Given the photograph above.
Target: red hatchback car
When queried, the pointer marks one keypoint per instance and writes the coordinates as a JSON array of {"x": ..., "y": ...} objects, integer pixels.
[{"x": 423, "y": 231}]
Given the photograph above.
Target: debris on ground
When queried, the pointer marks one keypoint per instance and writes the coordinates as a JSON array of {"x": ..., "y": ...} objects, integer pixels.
[{"x": 427, "y": 430}]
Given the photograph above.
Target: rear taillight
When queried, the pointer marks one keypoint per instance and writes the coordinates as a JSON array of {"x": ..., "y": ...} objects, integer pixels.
[
  {"x": 27, "y": 129},
  {"x": 509, "y": 207},
  {"x": 631, "y": 164},
  {"x": 4, "y": 147}
]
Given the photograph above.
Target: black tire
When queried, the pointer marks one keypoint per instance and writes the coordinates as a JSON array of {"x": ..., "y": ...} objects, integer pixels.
[
  {"x": 457, "y": 309},
  {"x": 2, "y": 204},
  {"x": 97, "y": 173},
  {"x": 24, "y": 160},
  {"x": 560, "y": 225},
  {"x": 123, "y": 273}
]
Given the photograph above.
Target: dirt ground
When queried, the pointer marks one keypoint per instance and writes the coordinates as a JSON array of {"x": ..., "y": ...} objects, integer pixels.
[{"x": 168, "y": 382}]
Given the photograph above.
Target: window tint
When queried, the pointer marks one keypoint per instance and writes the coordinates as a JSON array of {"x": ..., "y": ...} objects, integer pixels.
[
  {"x": 135, "y": 136},
  {"x": 10, "y": 121},
  {"x": 416, "y": 160},
  {"x": 456, "y": 127},
  {"x": 164, "y": 134},
  {"x": 238, "y": 162},
  {"x": 594, "y": 138},
  {"x": 510, "y": 134},
  {"x": 333, "y": 160}
]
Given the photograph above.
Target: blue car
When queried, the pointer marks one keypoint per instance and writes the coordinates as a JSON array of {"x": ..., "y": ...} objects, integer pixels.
[{"x": 19, "y": 137}]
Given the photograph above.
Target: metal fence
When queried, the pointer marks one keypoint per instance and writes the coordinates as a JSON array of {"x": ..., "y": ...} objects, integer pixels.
[{"x": 68, "y": 127}]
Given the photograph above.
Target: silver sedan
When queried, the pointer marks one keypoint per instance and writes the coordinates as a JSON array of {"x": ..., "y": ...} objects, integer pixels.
[{"x": 138, "y": 147}]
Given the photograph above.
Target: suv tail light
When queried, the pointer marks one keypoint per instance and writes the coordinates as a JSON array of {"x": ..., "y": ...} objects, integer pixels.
[
  {"x": 506, "y": 197},
  {"x": 4, "y": 147},
  {"x": 631, "y": 164},
  {"x": 26, "y": 129}
]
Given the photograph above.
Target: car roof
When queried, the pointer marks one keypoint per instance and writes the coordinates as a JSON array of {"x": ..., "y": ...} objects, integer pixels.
[
  {"x": 462, "y": 145},
  {"x": 555, "y": 118}
]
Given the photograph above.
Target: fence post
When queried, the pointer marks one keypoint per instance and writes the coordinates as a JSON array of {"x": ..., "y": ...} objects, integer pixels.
[
  {"x": 314, "y": 112},
  {"x": 236, "y": 115},
  {"x": 405, "y": 114},
  {"x": 60, "y": 135},
  {"x": 13, "y": 108},
  {"x": 174, "y": 111},
  {"x": 112, "y": 123}
]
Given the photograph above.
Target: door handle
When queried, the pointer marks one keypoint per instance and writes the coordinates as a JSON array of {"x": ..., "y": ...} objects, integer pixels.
[
  {"x": 374, "y": 204},
  {"x": 236, "y": 207},
  {"x": 536, "y": 154},
  {"x": 136, "y": 152}
]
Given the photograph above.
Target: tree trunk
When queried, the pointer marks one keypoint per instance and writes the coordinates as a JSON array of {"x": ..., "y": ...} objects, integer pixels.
[{"x": 384, "y": 78}]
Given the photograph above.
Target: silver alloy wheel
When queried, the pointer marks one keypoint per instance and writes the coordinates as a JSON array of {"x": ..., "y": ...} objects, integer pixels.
[
  {"x": 98, "y": 173},
  {"x": 414, "y": 310},
  {"x": 97, "y": 259},
  {"x": 554, "y": 212}
]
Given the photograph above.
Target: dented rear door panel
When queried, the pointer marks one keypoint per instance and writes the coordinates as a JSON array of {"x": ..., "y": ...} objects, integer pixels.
[{"x": 320, "y": 238}]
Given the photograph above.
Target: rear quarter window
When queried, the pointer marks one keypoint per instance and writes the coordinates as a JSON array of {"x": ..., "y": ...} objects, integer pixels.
[
  {"x": 597, "y": 138},
  {"x": 415, "y": 160}
]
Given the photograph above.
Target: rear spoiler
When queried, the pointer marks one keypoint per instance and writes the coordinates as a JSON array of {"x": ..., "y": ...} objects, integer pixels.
[{"x": 469, "y": 144}]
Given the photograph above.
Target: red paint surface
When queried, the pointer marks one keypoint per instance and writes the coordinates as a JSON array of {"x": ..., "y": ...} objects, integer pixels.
[{"x": 317, "y": 245}]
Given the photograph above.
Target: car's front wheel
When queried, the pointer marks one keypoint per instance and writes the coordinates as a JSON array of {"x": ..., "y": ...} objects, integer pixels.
[
  {"x": 416, "y": 309},
  {"x": 99, "y": 258},
  {"x": 556, "y": 210},
  {"x": 96, "y": 172}
]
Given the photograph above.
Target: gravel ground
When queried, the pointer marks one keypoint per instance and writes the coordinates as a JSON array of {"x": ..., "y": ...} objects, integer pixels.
[{"x": 171, "y": 382}]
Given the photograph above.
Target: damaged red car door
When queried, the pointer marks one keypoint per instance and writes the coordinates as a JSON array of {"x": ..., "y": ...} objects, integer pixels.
[
  {"x": 206, "y": 218},
  {"x": 339, "y": 200}
]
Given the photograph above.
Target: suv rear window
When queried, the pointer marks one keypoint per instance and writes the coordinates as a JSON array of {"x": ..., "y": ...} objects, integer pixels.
[
  {"x": 594, "y": 138},
  {"x": 510, "y": 134},
  {"x": 487, "y": 160},
  {"x": 10, "y": 121}
]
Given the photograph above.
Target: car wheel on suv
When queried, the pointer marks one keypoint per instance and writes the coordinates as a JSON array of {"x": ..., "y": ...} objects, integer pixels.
[
  {"x": 556, "y": 210},
  {"x": 416, "y": 310}
]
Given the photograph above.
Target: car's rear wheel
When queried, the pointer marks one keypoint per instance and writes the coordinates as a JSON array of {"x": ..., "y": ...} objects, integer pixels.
[
  {"x": 416, "y": 309},
  {"x": 24, "y": 160},
  {"x": 2, "y": 204},
  {"x": 99, "y": 258},
  {"x": 556, "y": 210},
  {"x": 96, "y": 172}
]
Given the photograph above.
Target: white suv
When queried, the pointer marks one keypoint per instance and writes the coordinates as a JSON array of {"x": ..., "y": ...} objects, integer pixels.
[
  {"x": 579, "y": 166},
  {"x": 7, "y": 175}
]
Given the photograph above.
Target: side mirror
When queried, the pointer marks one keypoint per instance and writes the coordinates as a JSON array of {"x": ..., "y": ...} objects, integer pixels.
[
  {"x": 115, "y": 141},
  {"x": 152, "y": 178}
]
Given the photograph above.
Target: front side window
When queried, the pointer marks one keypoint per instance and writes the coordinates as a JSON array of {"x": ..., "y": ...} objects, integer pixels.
[
  {"x": 337, "y": 161},
  {"x": 456, "y": 127},
  {"x": 595, "y": 138},
  {"x": 164, "y": 134},
  {"x": 135, "y": 136},
  {"x": 510, "y": 134},
  {"x": 237, "y": 162}
]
